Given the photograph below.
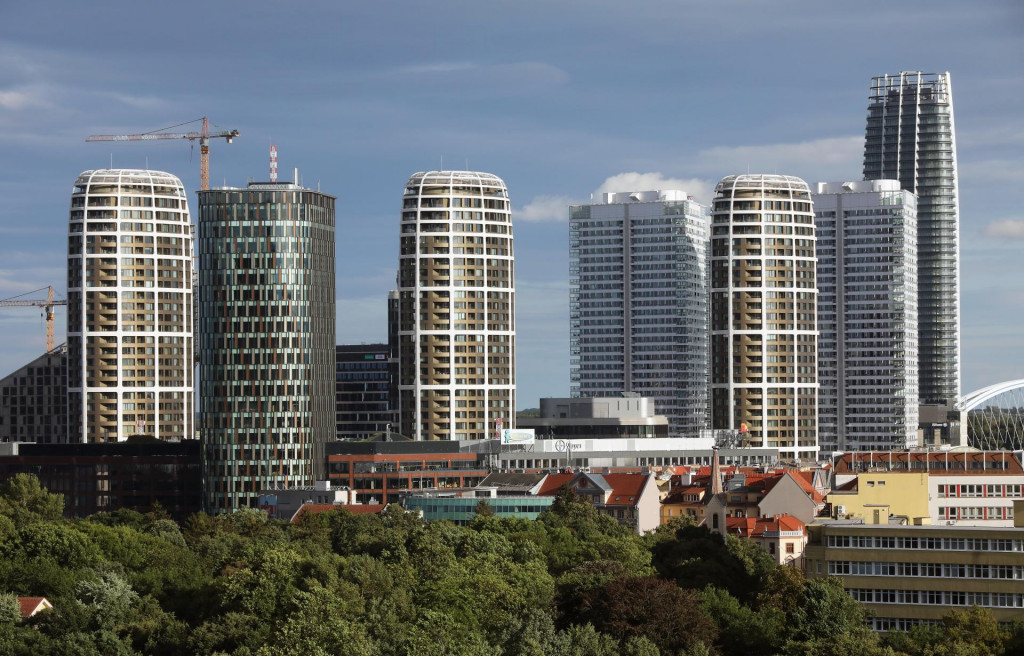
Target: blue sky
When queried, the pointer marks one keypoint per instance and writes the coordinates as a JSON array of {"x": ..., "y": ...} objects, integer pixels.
[{"x": 561, "y": 99}]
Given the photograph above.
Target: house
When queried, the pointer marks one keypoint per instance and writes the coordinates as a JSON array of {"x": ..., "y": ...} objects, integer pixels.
[
  {"x": 630, "y": 499},
  {"x": 30, "y": 606},
  {"x": 782, "y": 536},
  {"x": 764, "y": 495}
]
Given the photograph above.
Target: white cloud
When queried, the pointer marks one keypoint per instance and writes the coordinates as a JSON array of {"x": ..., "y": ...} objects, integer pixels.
[
  {"x": 24, "y": 98},
  {"x": 1006, "y": 229},
  {"x": 701, "y": 190},
  {"x": 545, "y": 208}
]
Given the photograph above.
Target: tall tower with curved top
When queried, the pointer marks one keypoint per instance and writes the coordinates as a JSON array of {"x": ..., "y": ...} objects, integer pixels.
[
  {"x": 764, "y": 331},
  {"x": 456, "y": 289},
  {"x": 130, "y": 365}
]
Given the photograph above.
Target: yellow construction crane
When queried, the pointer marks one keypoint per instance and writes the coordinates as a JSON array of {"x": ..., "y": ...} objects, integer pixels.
[
  {"x": 47, "y": 304},
  {"x": 203, "y": 137}
]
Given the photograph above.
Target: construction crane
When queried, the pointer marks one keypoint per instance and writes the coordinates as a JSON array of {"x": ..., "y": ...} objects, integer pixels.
[
  {"x": 47, "y": 304},
  {"x": 203, "y": 137}
]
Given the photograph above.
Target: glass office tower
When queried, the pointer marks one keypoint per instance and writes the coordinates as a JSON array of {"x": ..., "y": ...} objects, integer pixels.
[
  {"x": 867, "y": 315},
  {"x": 266, "y": 339},
  {"x": 911, "y": 138},
  {"x": 638, "y": 302}
]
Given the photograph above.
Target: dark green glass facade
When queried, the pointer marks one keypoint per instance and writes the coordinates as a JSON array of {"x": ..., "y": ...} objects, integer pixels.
[{"x": 266, "y": 339}]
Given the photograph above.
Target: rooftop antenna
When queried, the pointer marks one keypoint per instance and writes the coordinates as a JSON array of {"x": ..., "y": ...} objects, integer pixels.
[
  {"x": 111, "y": 160},
  {"x": 273, "y": 163},
  {"x": 147, "y": 162},
  {"x": 442, "y": 162}
]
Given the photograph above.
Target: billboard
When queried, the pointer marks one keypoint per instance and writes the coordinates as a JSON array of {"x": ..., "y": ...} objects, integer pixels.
[{"x": 518, "y": 436}]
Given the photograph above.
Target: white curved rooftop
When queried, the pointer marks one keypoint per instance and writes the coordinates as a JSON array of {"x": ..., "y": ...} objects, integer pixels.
[
  {"x": 456, "y": 177},
  {"x": 129, "y": 176},
  {"x": 762, "y": 181}
]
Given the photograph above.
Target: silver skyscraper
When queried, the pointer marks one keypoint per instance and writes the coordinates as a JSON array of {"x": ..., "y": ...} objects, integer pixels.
[{"x": 910, "y": 138}]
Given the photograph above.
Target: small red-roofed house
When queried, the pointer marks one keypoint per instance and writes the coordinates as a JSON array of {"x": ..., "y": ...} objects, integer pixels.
[
  {"x": 30, "y": 606},
  {"x": 782, "y": 536},
  {"x": 685, "y": 501},
  {"x": 630, "y": 499}
]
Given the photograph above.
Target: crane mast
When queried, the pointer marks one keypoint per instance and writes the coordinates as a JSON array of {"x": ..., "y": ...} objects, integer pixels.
[{"x": 203, "y": 137}]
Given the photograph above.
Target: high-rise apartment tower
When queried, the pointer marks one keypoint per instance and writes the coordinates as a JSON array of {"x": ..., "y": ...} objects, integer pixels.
[
  {"x": 910, "y": 138},
  {"x": 764, "y": 371},
  {"x": 638, "y": 302},
  {"x": 130, "y": 365},
  {"x": 457, "y": 330},
  {"x": 867, "y": 315},
  {"x": 266, "y": 339}
]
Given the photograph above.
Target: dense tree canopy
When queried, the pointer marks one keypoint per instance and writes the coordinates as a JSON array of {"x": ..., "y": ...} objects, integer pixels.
[{"x": 574, "y": 582}]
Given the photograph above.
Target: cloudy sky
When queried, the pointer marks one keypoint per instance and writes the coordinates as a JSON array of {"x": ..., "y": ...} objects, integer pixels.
[{"x": 561, "y": 98}]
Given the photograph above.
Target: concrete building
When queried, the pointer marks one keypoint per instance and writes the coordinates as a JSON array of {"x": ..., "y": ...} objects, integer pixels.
[
  {"x": 34, "y": 400},
  {"x": 907, "y": 575},
  {"x": 867, "y": 315},
  {"x": 911, "y": 138},
  {"x": 622, "y": 416},
  {"x": 764, "y": 332},
  {"x": 130, "y": 363},
  {"x": 365, "y": 375},
  {"x": 959, "y": 488},
  {"x": 638, "y": 305},
  {"x": 457, "y": 307},
  {"x": 266, "y": 350}
]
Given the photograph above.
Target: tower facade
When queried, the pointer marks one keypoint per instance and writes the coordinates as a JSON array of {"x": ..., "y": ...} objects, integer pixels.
[
  {"x": 764, "y": 370},
  {"x": 638, "y": 302},
  {"x": 266, "y": 339},
  {"x": 130, "y": 362},
  {"x": 456, "y": 306},
  {"x": 910, "y": 138},
  {"x": 867, "y": 315}
]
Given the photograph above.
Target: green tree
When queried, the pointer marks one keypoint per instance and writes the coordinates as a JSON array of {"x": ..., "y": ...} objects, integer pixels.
[
  {"x": 825, "y": 610},
  {"x": 484, "y": 508},
  {"x": 24, "y": 500}
]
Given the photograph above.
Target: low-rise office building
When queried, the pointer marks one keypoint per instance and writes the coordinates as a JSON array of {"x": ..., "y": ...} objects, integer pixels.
[
  {"x": 34, "y": 400},
  {"x": 909, "y": 575},
  {"x": 620, "y": 416},
  {"x": 950, "y": 487},
  {"x": 108, "y": 476}
]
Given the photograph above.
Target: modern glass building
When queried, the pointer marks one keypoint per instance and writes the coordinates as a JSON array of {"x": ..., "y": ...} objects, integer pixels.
[
  {"x": 456, "y": 301},
  {"x": 364, "y": 375},
  {"x": 867, "y": 315},
  {"x": 130, "y": 364},
  {"x": 266, "y": 339},
  {"x": 910, "y": 138},
  {"x": 764, "y": 333},
  {"x": 638, "y": 303}
]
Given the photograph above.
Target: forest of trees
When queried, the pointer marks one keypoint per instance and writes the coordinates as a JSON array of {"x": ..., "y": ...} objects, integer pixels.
[{"x": 573, "y": 582}]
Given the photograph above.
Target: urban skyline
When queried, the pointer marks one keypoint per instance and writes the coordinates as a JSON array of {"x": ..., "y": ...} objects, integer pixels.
[{"x": 553, "y": 117}]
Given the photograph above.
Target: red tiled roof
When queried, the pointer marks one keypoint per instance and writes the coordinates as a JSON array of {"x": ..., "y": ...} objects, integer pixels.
[
  {"x": 355, "y": 509},
  {"x": 553, "y": 484},
  {"x": 808, "y": 487},
  {"x": 626, "y": 488},
  {"x": 938, "y": 463},
  {"x": 29, "y": 606},
  {"x": 754, "y": 527}
]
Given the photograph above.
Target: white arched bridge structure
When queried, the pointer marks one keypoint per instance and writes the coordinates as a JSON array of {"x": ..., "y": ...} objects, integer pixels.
[{"x": 995, "y": 415}]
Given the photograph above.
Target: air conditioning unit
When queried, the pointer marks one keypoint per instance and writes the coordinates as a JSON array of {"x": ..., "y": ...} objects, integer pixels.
[{"x": 840, "y": 511}]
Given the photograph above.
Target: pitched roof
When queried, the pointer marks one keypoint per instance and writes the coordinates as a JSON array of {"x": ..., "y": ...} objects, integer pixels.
[
  {"x": 756, "y": 527},
  {"x": 29, "y": 606},
  {"x": 626, "y": 488}
]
